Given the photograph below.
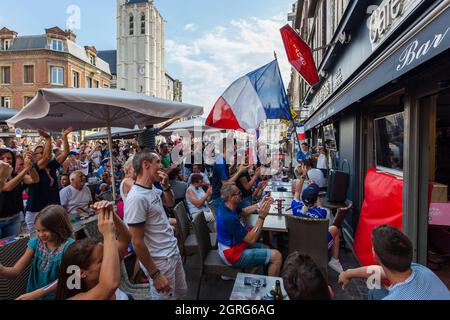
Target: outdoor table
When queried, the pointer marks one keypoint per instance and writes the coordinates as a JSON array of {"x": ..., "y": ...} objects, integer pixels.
[
  {"x": 276, "y": 223},
  {"x": 281, "y": 195},
  {"x": 244, "y": 292}
]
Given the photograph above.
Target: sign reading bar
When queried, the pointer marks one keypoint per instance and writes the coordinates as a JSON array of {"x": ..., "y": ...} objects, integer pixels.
[{"x": 300, "y": 55}]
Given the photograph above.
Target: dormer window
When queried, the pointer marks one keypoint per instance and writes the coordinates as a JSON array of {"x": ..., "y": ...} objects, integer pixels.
[
  {"x": 92, "y": 59},
  {"x": 57, "y": 45},
  {"x": 7, "y": 44}
]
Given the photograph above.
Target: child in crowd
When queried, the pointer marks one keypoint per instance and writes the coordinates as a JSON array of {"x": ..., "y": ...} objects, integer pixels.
[
  {"x": 44, "y": 252},
  {"x": 309, "y": 207},
  {"x": 99, "y": 263}
]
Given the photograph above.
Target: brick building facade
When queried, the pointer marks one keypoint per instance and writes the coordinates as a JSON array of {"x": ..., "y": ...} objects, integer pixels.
[{"x": 51, "y": 60}]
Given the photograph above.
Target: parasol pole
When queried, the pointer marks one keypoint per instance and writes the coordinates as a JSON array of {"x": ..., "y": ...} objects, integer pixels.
[{"x": 111, "y": 157}]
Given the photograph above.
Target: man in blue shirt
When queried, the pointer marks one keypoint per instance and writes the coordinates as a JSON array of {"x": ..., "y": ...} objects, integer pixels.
[
  {"x": 409, "y": 281},
  {"x": 303, "y": 154},
  {"x": 238, "y": 246},
  {"x": 309, "y": 207},
  {"x": 220, "y": 175}
]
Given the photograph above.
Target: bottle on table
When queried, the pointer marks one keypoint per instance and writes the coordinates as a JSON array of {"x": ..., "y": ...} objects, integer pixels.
[{"x": 278, "y": 293}]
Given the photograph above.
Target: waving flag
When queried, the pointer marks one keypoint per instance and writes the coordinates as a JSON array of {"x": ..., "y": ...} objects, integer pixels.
[{"x": 251, "y": 99}]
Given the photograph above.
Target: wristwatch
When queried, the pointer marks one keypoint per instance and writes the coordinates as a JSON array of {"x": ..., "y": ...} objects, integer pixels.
[
  {"x": 168, "y": 188},
  {"x": 154, "y": 275},
  {"x": 262, "y": 218}
]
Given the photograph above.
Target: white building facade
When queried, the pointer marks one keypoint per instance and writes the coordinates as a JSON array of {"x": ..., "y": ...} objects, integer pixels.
[{"x": 140, "y": 48}]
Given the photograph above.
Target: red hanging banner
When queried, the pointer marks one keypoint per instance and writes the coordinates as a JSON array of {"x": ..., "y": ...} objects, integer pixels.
[{"x": 299, "y": 55}]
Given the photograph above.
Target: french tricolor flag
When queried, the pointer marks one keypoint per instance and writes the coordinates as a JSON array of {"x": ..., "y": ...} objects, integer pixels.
[{"x": 258, "y": 96}]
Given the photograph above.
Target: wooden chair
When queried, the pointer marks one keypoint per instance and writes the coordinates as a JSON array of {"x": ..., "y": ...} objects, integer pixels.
[
  {"x": 211, "y": 263},
  {"x": 309, "y": 236}
]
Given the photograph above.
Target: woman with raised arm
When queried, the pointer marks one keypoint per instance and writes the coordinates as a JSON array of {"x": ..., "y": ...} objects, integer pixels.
[{"x": 98, "y": 263}]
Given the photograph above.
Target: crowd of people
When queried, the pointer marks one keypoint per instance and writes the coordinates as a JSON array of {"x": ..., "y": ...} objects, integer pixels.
[{"x": 60, "y": 183}]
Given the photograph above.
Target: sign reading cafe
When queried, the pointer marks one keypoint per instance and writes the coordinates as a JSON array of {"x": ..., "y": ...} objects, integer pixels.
[{"x": 387, "y": 17}]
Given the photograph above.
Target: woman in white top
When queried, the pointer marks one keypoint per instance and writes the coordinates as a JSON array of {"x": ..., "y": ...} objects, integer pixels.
[
  {"x": 322, "y": 161},
  {"x": 197, "y": 200},
  {"x": 128, "y": 181}
]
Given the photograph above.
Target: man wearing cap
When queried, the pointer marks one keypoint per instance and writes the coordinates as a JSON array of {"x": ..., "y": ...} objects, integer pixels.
[{"x": 309, "y": 207}]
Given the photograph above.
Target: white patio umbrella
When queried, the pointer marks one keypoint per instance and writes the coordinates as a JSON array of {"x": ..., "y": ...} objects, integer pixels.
[{"x": 84, "y": 109}]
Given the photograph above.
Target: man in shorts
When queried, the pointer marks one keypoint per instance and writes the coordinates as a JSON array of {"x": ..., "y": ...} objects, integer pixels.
[{"x": 238, "y": 246}]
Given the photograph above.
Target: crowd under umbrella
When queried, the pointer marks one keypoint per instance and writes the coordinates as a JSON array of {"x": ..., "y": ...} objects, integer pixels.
[{"x": 86, "y": 109}]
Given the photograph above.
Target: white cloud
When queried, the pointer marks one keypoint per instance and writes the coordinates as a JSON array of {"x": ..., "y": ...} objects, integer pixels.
[
  {"x": 190, "y": 27},
  {"x": 212, "y": 61}
]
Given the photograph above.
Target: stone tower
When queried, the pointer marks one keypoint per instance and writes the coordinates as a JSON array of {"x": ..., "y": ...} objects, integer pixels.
[{"x": 140, "y": 48}]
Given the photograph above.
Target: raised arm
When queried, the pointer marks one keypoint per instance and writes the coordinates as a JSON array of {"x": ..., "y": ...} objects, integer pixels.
[
  {"x": 168, "y": 197},
  {"x": 64, "y": 135},
  {"x": 248, "y": 184},
  {"x": 5, "y": 173},
  {"x": 122, "y": 232},
  {"x": 254, "y": 234},
  {"x": 234, "y": 178},
  {"x": 167, "y": 124},
  {"x": 109, "y": 279},
  {"x": 363, "y": 272},
  {"x": 298, "y": 189},
  {"x": 47, "y": 153},
  {"x": 198, "y": 202}
]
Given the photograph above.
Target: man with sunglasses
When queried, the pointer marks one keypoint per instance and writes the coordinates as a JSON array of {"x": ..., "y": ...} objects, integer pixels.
[{"x": 238, "y": 246}]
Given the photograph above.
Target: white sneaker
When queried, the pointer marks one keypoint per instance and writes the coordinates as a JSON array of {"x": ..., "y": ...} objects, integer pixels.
[
  {"x": 336, "y": 265},
  {"x": 225, "y": 278}
]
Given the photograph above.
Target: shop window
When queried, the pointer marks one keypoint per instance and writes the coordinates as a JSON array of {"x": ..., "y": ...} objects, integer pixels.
[
  {"x": 88, "y": 82},
  {"x": 389, "y": 135},
  {"x": 329, "y": 137}
]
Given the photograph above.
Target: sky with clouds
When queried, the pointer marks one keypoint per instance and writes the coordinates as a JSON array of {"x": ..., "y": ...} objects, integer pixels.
[{"x": 209, "y": 43}]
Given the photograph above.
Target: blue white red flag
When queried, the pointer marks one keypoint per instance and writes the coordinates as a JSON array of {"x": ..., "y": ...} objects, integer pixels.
[{"x": 257, "y": 96}]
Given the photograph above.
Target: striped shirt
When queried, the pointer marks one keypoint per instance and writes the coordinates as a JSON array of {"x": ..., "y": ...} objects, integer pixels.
[{"x": 422, "y": 284}]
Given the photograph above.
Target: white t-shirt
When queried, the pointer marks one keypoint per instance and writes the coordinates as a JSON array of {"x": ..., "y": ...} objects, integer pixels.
[
  {"x": 322, "y": 162},
  {"x": 96, "y": 157},
  {"x": 84, "y": 167},
  {"x": 317, "y": 176},
  {"x": 144, "y": 206},
  {"x": 72, "y": 199}
]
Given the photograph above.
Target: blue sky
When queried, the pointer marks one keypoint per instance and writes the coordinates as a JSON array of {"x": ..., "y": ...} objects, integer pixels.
[{"x": 209, "y": 43}]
